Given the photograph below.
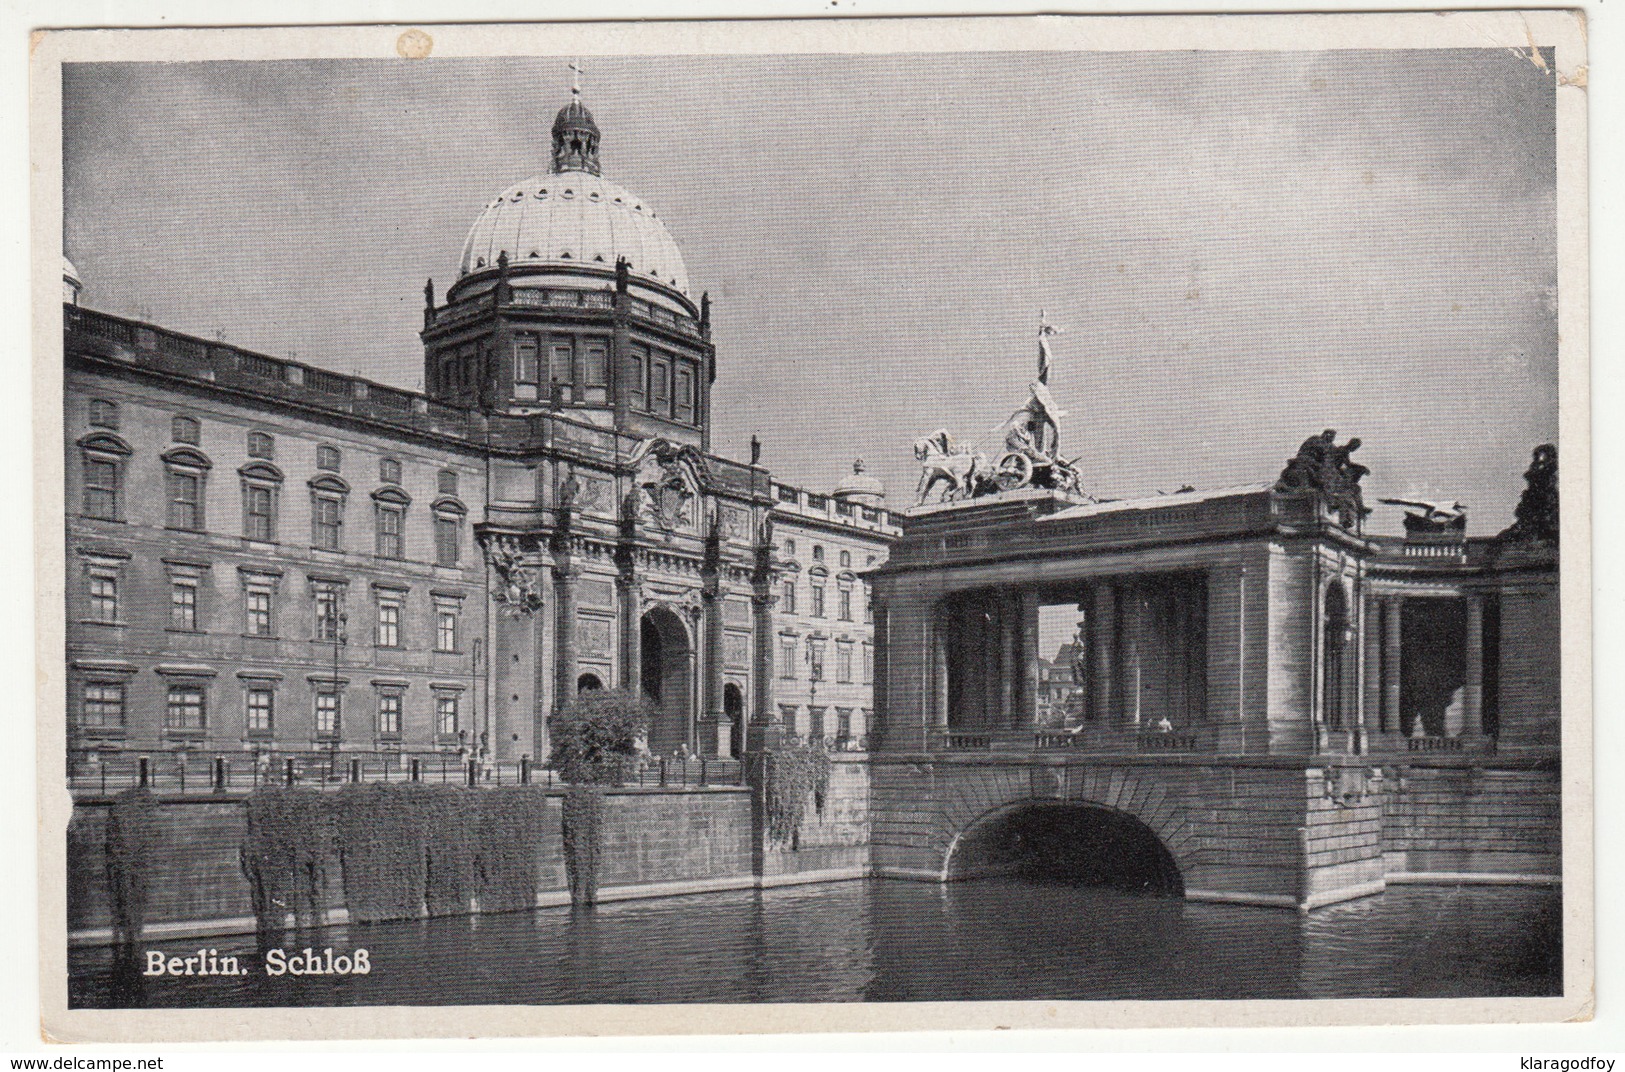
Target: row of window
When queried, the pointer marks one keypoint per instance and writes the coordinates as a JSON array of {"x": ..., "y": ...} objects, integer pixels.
[
  {"x": 565, "y": 368},
  {"x": 103, "y": 706},
  {"x": 819, "y": 607},
  {"x": 262, "y": 445},
  {"x": 186, "y": 474},
  {"x": 793, "y": 653},
  {"x": 817, "y": 722},
  {"x": 818, "y": 555},
  {"x": 260, "y": 591}
]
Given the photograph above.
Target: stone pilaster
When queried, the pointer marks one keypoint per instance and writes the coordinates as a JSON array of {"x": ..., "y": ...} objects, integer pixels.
[
  {"x": 1103, "y": 631},
  {"x": 1473, "y": 692}
]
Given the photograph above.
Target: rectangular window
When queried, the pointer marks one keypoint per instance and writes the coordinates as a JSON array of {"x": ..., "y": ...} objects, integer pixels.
[
  {"x": 445, "y": 629},
  {"x": 389, "y": 470},
  {"x": 787, "y": 657},
  {"x": 185, "y": 709},
  {"x": 259, "y": 518},
  {"x": 684, "y": 408},
  {"x": 637, "y": 388},
  {"x": 446, "y": 482},
  {"x": 389, "y": 714},
  {"x": 560, "y": 362},
  {"x": 103, "y": 705},
  {"x": 815, "y": 659},
  {"x": 101, "y": 489},
  {"x": 184, "y": 430},
  {"x": 787, "y": 715},
  {"x": 183, "y": 604},
  {"x": 389, "y": 624},
  {"x": 868, "y": 606},
  {"x": 185, "y": 500},
  {"x": 445, "y": 715},
  {"x": 818, "y": 600},
  {"x": 526, "y": 357},
  {"x": 259, "y": 710},
  {"x": 327, "y": 715},
  {"x": 660, "y": 385},
  {"x": 815, "y": 723},
  {"x": 329, "y": 522},
  {"x": 843, "y": 661},
  {"x": 846, "y": 604},
  {"x": 327, "y": 612},
  {"x": 868, "y": 664},
  {"x": 594, "y": 371},
  {"x": 104, "y": 599},
  {"x": 843, "y": 723},
  {"x": 788, "y": 602},
  {"x": 261, "y": 445},
  {"x": 327, "y": 458},
  {"x": 257, "y": 603},
  {"x": 445, "y": 541},
  {"x": 390, "y": 523}
]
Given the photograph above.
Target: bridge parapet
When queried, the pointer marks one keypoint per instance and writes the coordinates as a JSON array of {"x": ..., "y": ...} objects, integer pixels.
[{"x": 1093, "y": 740}]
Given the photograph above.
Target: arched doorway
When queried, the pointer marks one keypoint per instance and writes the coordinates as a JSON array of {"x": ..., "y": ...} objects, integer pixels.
[
  {"x": 666, "y": 657},
  {"x": 733, "y": 709},
  {"x": 588, "y": 683},
  {"x": 1067, "y": 842}
]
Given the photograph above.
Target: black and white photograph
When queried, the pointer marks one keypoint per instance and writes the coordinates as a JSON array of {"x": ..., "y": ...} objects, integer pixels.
[{"x": 1064, "y": 521}]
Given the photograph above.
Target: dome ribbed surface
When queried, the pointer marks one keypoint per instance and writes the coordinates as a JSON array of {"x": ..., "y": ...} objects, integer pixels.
[{"x": 574, "y": 218}]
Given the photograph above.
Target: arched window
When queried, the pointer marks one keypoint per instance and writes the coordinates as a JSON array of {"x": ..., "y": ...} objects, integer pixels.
[
  {"x": 389, "y": 521},
  {"x": 846, "y": 559},
  {"x": 448, "y": 531},
  {"x": 789, "y": 548},
  {"x": 816, "y": 578},
  {"x": 327, "y": 496},
  {"x": 262, "y": 486},
  {"x": 328, "y": 458},
  {"x": 588, "y": 683},
  {"x": 103, "y": 457},
  {"x": 185, "y": 430},
  {"x": 185, "y": 474},
  {"x": 818, "y": 553}
]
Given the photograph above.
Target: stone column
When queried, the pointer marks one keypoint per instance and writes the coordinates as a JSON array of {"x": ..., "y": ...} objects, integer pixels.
[
  {"x": 565, "y": 648},
  {"x": 1133, "y": 638},
  {"x": 711, "y": 623},
  {"x": 938, "y": 654},
  {"x": 1472, "y": 695},
  {"x": 629, "y": 592},
  {"x": 764, "y": 715},
  {"x": 1009, "y": 672},
  {"x": 1029, "y": 659},
  {"x": 1103, "y": 629},
  {"x": 1369, "y": 693},
  {"x": 1390, "y": 664}
]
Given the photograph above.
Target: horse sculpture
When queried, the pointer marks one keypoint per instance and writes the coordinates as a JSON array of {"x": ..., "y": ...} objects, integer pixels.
[{"x": 943, "y": 460}]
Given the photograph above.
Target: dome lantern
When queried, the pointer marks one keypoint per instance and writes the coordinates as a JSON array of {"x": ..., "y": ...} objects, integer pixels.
[{"x": 575, "y": 135}]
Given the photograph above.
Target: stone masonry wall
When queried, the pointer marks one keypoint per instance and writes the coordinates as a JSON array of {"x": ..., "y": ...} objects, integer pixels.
[
  {"x": 836, "y": 842},
  {"x": 1489, "y": 822}
]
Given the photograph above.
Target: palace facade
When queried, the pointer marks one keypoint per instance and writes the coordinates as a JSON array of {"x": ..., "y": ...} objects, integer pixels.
[{"x": 268, "y": 557}]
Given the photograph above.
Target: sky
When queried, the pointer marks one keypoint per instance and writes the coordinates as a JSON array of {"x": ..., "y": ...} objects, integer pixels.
[{"x": 1242, "y": 248}]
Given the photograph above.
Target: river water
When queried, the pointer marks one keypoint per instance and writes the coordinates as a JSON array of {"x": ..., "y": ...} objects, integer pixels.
[{"x": 991, "y": 939}]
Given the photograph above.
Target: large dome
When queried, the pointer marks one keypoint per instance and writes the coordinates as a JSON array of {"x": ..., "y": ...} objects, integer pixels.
[{"x": 576, "y": 219}]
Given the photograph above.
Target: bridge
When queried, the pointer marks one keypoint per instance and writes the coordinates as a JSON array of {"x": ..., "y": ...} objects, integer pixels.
[{"x": 1229, "y": 696}]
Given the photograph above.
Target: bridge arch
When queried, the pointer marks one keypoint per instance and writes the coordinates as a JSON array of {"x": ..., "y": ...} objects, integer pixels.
[{"x": 1077, "y": 841}]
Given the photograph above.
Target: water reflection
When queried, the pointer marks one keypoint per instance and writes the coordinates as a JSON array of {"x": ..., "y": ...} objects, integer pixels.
[{"x": 898, "y": 941}]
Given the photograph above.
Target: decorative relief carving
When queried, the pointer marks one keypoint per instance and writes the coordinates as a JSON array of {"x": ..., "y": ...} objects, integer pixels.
[
  {"x": 593, "y": 636},
  {"x": 519, "y": 583},
  {"x": 736, "y": 649},
  {"x": 736, "y": 612},
  {"x": 666, "y": 484}
]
